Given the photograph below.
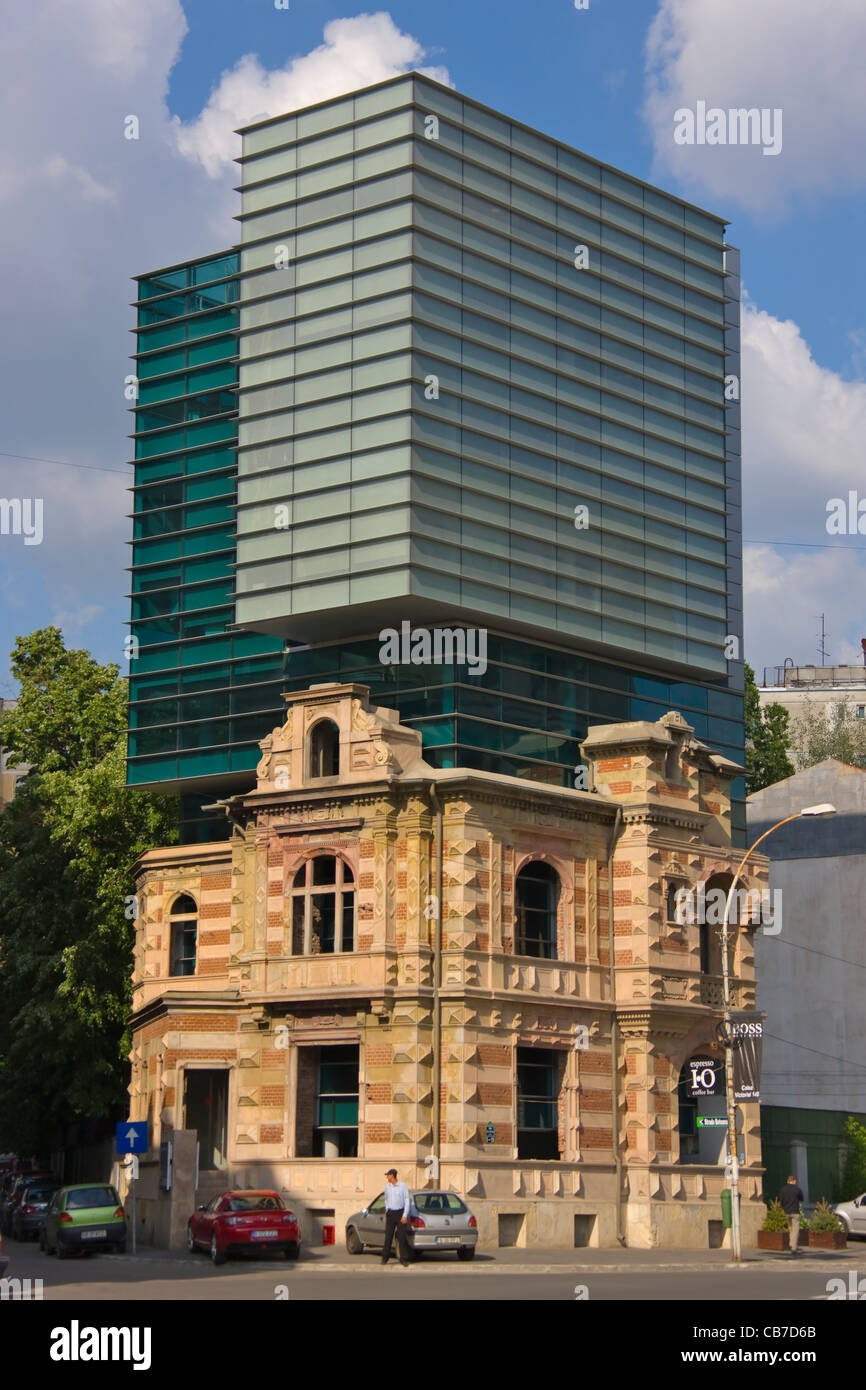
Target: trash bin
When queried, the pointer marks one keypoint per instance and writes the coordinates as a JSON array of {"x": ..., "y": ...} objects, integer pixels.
[{"x": 328, "y": 1235}]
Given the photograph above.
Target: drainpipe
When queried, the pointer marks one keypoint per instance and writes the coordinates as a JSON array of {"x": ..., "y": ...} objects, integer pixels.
[
  {"x": 614, "y": 1030},
  {"x": 437, "y": 980}
]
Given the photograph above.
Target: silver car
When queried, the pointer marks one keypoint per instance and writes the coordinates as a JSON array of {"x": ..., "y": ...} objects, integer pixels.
[
  {"x": 437, "y": 1221},
  {"x": 853, "y": 1215}
]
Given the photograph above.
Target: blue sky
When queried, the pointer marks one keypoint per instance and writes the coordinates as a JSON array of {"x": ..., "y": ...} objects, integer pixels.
[{"x": 85, "y": 210}]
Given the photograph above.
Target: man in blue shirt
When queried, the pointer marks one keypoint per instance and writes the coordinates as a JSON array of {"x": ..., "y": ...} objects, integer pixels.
[{"x": 397, "y": 1204}]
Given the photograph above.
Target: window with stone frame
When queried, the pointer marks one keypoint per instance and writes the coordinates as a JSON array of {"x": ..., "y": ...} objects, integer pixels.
[
  {"x": 537, "y": 895},
  {"x": 183, "y": 933},
  {"x": 677, "y": 912},
  {"x": 325, "y": 749},
  {"x": 322, "y": 898}
]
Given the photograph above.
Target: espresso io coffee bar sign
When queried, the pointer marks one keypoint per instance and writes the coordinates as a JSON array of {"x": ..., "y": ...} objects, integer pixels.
[{"x": 706, "y": 1076}]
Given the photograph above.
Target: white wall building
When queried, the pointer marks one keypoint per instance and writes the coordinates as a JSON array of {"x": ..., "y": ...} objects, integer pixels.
[{"x": 812, "y": 974}]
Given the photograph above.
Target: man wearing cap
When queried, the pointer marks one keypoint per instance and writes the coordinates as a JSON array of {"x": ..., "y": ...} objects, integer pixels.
[
  {"x": 397, "y": 1204},
  {"x": 790, "y": 1199}
]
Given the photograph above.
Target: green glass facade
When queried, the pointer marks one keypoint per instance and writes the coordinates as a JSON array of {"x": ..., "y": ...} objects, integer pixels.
[
  {"x": 422, "y": 384},
  {"x": 196, "y": 687}
]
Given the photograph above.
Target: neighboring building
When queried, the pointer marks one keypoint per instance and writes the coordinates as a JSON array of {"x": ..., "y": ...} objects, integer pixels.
[
  {"x": 443, "y": 334},
  {"x": 800, "y": 689},
  {"x": 811, "y": 975},
  {"x": 9, "y": 775},
  {"x": 389, "y": 961}
]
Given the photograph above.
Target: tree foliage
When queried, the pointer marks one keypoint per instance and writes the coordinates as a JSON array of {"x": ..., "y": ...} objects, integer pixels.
[
  {"x": 854, "y": 1173},
  {"x": 67, "y": 845},
  {"x": 767, "y": 758},
  {"x": 820, "y": 731}
]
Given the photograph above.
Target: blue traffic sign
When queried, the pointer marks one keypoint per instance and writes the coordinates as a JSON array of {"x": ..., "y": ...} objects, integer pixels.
[{"x": 130, "y": 1137}]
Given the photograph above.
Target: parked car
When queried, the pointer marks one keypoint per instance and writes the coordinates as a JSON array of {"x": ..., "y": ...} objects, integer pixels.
[
  {"x": 437, "y": 1221},
  {"x": 22, "y": 1181},
  {"x": 853, "y": 1215},
  {"x": 234, "y": 1222},
  {"x": 88, "y": 1216},
  {"x": 33, "y": 1203}
]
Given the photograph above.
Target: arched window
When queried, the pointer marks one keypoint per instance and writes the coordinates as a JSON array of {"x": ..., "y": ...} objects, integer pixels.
[
  {"x": 537, "y": 898},
  {"x": 183, "y": 919},
  {"x": 716, "y": 892},
  {"x": 323, "y": 907},
  {"x": 325, "y": 749}
]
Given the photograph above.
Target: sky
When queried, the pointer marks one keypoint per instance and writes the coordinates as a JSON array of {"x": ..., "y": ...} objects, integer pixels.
[{"x": 83, "y": 209}]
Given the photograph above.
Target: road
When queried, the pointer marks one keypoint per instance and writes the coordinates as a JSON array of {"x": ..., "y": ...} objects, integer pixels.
[{"x": 330, "y": 1274}]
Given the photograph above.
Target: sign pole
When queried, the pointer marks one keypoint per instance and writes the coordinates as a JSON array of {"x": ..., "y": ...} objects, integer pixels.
[
  {"x": 132, "y": 1195},
  {"x": 733, "y": 1157},
  {"x": 130, "y": 1141}
]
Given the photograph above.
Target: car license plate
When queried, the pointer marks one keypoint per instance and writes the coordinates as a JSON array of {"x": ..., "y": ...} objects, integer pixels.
[
  {"x": 264, "y": 1235},
  {"x": 447, "y": 1240},
  {"x": 93, "y": 1235}
]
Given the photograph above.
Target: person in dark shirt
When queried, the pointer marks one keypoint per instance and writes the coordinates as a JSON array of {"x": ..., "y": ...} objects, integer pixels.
[{"x": 790, "y": 1199}]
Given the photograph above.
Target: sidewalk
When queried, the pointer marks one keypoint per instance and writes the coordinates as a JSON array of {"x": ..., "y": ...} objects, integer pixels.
[{"x": 334, "y": 1259}]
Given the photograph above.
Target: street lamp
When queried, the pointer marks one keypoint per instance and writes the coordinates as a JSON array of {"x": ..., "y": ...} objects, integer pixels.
[{"x": 823, "y": 809}]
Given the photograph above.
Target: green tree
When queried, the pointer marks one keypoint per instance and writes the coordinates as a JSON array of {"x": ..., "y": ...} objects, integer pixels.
[
  {"x": 854, "y": 1173},
  {"x": 767, "y": 758},
  {"x": 821, "y": 731},
  {"x": 67, "y": 845}
]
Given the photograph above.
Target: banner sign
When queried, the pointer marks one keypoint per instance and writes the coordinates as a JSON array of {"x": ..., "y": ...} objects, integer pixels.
[{"x": 747, "y": 1036}]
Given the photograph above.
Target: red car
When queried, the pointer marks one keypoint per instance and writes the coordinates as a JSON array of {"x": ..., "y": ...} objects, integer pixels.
[{"x": 236, "y": 1221}]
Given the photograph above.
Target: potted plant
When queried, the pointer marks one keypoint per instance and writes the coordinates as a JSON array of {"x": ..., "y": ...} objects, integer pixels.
[
  {"x": 773, "y": 1235},
  {"x": 825, "y": 1230}
]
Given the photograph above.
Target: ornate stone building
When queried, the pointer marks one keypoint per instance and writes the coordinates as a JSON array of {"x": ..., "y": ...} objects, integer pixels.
[{"x": 384, "y": 961}]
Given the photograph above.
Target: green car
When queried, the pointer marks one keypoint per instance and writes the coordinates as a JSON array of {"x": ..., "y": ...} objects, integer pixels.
[{"x": 87, "y": 1217}]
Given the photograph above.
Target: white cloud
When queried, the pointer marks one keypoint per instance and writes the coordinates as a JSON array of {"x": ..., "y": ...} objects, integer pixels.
[
  {"x": 802, "y": 57},
  {"x": 72, "y": 622},
  {"x": 83, "y": 209},
  {"x": 355, "y": 53},
  {"x": 803, "y": 433},
  {"x": 785, "y": 594},
  {"x": 803, "y": 426}
]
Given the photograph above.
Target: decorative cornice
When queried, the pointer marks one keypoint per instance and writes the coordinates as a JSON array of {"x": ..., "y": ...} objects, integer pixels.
[{"x": 284, "y": 828}]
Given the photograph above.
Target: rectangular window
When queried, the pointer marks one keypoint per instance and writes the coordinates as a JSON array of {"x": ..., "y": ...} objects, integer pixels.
[
  {"x": 336, "y": 1114},
  {"x": 537, "y": 1095}
]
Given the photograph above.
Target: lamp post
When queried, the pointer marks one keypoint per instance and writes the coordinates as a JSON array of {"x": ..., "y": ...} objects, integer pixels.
[{"x": 824, "y": 809}]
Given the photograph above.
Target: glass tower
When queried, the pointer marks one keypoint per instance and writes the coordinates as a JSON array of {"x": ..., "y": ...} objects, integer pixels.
[{"x": 457, "y": 375}]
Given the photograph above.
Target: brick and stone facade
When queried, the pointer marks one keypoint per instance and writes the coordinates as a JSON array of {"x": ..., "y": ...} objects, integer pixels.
[{"x": 630, "y": 996}]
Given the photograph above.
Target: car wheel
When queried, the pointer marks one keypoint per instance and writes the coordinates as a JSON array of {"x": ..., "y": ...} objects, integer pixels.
[
  {"x": 354, "y": 1243},
  {"x": 292, "y": 1251},
  {"x": 190, "y": 1243},
  {"x": 217, "y": 1256},
  {"x": 466, "y": 1252}
]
